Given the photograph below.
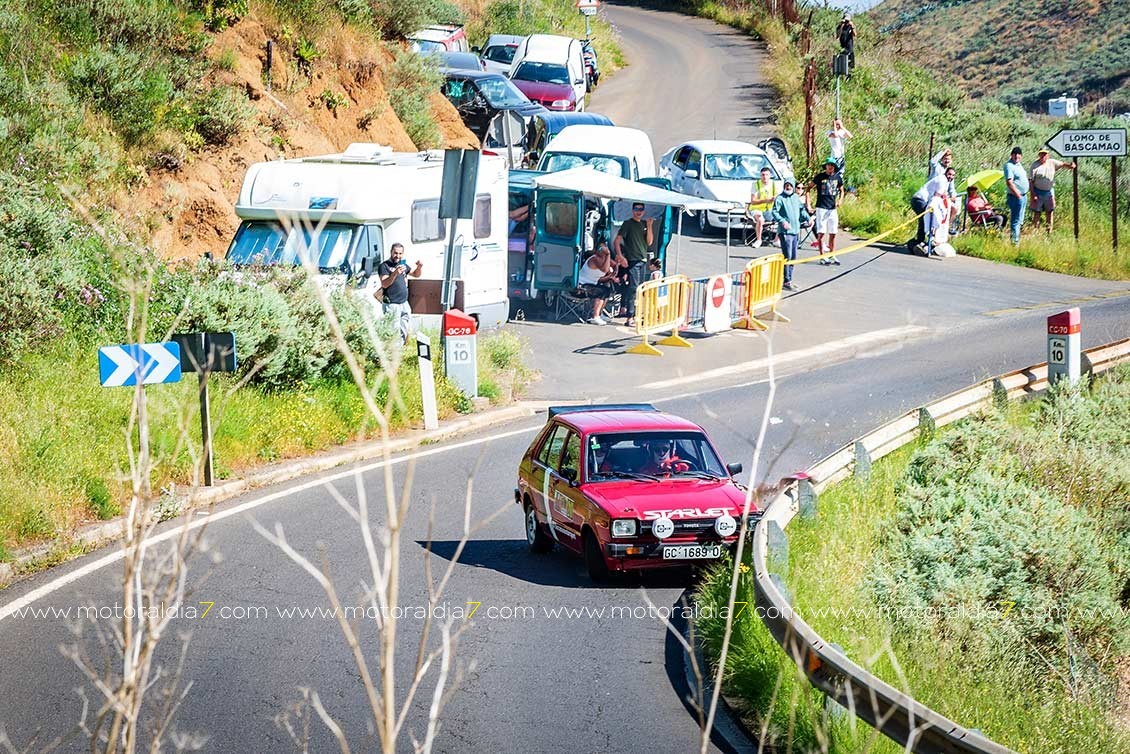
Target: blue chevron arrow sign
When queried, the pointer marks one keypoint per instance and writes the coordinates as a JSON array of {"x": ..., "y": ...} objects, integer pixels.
[{"x": 144, "y": 364}]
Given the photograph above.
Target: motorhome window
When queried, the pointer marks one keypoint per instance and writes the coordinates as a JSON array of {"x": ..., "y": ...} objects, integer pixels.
[
  {"x": 257, "y": 243},
  {"x": 545, "y": 73},
  {"x": 561, "y": 219},
  {"x": 735, "y": 167},
  {"x": 426, "y": 223},
  {"x": 617, "y": 166},
  {"x": 482, "y": 216},
  {"x": 500, "y": 54},
  {"x": 500, "y": 93}
]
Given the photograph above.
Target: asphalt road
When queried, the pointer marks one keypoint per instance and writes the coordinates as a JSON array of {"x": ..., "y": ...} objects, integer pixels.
[{"x": 540, "y": 681}]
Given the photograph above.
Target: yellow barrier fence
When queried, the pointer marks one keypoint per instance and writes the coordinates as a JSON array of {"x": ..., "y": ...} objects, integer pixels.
[
  {"x": 764, "y": 277},
  {"x": 662, "y": 305}
]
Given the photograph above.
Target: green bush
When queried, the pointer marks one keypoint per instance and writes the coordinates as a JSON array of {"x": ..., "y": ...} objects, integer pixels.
[
  {"x": 396, "y": 19},
  {"x": 27, "y": 317},
  {"x": 411, "y": 82},
  {"x": 100, "y": 499},
  {"x": 220, "y": 115},
  {"x": 126, "y": 86}
]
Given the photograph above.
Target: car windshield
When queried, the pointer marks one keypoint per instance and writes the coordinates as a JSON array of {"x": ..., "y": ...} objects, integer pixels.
[
  {"x": 500, "y": 93},
  {"x": 462, "y": 61},
  {"x": 555, "y": 161},
  {"x": 651, "y": 455},
  {"x": 735, "y": 167},
  {"x": 545, "y": 73},
  {"x": 262, "y": 242},
  {"x": 500, "y": 53}
]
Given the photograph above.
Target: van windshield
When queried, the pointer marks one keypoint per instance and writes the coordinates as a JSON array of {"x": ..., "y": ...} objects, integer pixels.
[
  {"x": 613, "y": 165},
  {"x": 264, "y": 242},
  {"x": 500, "y": 53},
  {"x": 545, "y": 73},
  {"x": 735, "y": 167}
]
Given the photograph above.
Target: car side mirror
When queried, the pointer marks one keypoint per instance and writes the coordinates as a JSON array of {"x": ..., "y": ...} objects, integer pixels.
[
  {"x": 578, "y": 82},
  {"x": 734, "y": 468},
  {"x": 367, "y": 266},
  {"x": 569, "y": 475},
  {"x": 691, "y": 174},
  {"x": 476, "y": 49}
]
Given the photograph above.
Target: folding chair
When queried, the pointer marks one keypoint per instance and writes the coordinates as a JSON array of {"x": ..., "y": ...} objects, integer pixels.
[{"x": 574, "y": 303}]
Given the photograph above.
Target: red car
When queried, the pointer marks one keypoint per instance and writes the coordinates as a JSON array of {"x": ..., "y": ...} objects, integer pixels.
[{"x": 628, "y": 487}]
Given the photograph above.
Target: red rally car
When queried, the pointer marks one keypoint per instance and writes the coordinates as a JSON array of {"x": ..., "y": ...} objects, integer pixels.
[{"x": 628, "y": 487}]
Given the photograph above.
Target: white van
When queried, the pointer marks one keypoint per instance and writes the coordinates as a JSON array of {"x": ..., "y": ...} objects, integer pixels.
[
  {"x": 550, "y": 70},
  {"x": 349, "y": 208},
  {"x": 623, "y": 152}
]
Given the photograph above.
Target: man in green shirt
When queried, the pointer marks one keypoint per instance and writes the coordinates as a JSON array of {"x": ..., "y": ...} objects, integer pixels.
[{"x": 632, "y": 243}]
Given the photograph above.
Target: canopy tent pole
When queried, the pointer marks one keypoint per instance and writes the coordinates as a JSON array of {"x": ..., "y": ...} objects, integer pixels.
[
  {"x": 727, "y": 242},
  {"x": 678, "y": 240}
]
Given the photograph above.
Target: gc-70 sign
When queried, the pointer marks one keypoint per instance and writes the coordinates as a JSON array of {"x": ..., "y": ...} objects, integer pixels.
[{"x": 1090, "y": 142}]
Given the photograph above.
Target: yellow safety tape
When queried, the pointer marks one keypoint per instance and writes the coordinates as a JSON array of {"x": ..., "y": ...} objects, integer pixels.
[{"x": 860, "y": 245}]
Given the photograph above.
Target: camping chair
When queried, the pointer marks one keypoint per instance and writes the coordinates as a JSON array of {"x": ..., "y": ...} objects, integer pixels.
[{"x": 574, "y": 303}]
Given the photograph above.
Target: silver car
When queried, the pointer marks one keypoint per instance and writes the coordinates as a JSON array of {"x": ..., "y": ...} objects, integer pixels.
[{"x": 498, "y": 53}]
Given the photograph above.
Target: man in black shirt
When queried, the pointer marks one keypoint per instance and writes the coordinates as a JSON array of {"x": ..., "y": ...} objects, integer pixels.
[
  {"x": 394, "y": 273},
  {"x": 845, "y": 30},
  {"x": 632, "y": 243},
  {"x": 829, "y": 187}
]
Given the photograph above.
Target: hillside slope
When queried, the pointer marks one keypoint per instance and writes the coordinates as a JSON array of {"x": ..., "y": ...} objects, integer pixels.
[{"x": 1022, "y": 52}]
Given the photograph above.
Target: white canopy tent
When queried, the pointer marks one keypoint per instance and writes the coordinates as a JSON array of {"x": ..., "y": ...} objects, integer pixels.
[{"x": 587, "y": 180}]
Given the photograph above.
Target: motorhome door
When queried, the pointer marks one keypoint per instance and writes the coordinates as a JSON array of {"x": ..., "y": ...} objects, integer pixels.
[{"x": 557, "y": 246}]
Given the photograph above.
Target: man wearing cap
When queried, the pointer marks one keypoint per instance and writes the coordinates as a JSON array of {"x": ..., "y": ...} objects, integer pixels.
[
  {"x": 632, "y": 243},
  {"x": 789, "y": 213},
  {"x": 1042, "y": 175},
  {"x": 1016, "y": 181},
  {"x": 829, "y": 187},
  {"x": 845, "y": 31}
]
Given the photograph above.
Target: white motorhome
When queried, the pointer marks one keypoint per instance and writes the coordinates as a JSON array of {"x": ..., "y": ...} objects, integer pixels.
[
  {"x": 349, "y": 208},
  {"x": 622, "y": 152}
]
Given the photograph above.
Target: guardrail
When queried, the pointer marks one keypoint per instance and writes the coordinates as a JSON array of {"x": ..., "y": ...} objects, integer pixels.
[{"x": 885, "y": 708}]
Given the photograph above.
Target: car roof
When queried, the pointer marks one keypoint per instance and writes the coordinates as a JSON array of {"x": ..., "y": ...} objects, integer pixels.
[
  {"x": 476, "y": 74},
  {"x": 510, "y": 40},
  {"x": 626, "y": 420},
  {"x": 711, "y": 146},
  {"x": 557, "y": 122},
  {"x": 599, "y": 139},
  {"x": 548, "y": 42}
]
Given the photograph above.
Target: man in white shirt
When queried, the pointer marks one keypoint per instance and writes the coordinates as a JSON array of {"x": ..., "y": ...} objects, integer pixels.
[
  {"x": 596, "y": 278},
  {"x": 836, "y": 138}
]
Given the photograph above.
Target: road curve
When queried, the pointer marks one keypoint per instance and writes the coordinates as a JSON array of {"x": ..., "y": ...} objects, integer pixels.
[{"x": 687, "y": 78}]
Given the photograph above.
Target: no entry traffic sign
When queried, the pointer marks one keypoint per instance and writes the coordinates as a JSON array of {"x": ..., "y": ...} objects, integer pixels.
[{"x": 716, "y": 318}]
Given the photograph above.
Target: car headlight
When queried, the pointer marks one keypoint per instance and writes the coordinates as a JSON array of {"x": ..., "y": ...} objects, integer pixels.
[
  {"x": 725, "y": 525},
  {"x": 624, "y": 527},
  {"x": 561, "y": 103}
]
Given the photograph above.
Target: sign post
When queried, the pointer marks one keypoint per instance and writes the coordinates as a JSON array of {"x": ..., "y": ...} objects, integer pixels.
[
  {"x": 460, "y": 354},
  {"x": 204, "y": 353},
  {"x": 1093, "y": 142},
  {"x": 427, "y": 380},
  {"x": 1064, "y": 347},
  {"x": 456, "y": 201},
  {"x": 588, "y": 8}
]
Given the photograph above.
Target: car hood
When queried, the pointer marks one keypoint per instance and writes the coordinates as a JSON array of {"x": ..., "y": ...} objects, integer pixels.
[
  {"x": 540, "y": 90},
  {"x": 673, "y": 498},
  {"x": 728, "y": 191}
]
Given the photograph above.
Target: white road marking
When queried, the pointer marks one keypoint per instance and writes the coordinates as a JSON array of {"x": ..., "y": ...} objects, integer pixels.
[
  {"x": 905, "y": 332},
  {"x": 58, "y": 583}
]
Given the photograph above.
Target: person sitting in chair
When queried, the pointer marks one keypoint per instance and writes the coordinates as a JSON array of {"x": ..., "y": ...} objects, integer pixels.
[
  {"x": 981, "y": 212},
  {"x": 597, "y": 276}
]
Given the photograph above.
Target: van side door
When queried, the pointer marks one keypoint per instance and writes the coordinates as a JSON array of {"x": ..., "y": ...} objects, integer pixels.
[
  {"x": 557, "y": 244},
  {"x": 664, "y": 226}
]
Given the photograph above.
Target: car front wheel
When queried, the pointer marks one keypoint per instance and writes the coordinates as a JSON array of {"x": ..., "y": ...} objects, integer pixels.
[
  {"x": 594, "y": 559},
  {"x": 703, "y": 226},
  {"x": 536, "y": 537}
]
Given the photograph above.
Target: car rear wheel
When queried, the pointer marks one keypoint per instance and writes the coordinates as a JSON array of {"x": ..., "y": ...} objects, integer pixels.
[
  {"x": 594, "y": 559},
  {"x": 536, "y": 537}
]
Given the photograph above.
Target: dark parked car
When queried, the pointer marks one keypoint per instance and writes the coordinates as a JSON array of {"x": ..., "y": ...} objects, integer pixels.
[
  {"x": 463, "y": 61},
  {"x": 479, "y": 96},
  {"x": 544, "y": 126}
]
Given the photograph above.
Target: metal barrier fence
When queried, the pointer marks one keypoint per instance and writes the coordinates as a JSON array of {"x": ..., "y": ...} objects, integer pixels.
[
  {"x": 888, "y": 710},
  {"x": 661, "y": 305},
  {"x": 764, "y": 278},
  {"x": 696, "y": 309}
]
